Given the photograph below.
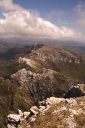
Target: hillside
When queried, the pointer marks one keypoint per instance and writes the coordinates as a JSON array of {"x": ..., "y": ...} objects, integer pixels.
[
  {"x": 62, "y": 60},
  {"x": 5, "y": 46},
  {"x": 34, "y": 73}
]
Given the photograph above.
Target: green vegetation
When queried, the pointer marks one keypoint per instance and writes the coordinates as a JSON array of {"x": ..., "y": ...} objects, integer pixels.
[
  {"x": 9, "y": 67},
  {"x": 12, "y": 97},
  {"x": 76, "y": 71}
]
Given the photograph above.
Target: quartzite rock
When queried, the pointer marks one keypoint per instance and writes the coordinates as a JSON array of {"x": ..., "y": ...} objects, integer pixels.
[{"x": 34, "y": 110}]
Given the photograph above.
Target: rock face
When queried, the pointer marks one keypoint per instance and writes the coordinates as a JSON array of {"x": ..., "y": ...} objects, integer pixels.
[
  {"x": 20, "y": 76},
  {"x": 26, "y": 61},
  {"x": 34, "y": 110},
  {"x": 26, "y": 114},
  {"x": 20, "y": 112},
  {"x": 13, "y": 118},
  {"x": 44, "y": 84}
]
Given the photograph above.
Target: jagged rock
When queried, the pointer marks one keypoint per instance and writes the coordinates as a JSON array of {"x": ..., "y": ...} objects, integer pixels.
[
  {"x": 20, "y": 112},
  {"x": 14, "y": 118},
  {"x": 71, "y": 101},
  {"x": 34, "y": 110},
  {"x": 32, "y": 119},
  {"x": 20, "y": 76},
  {"x": 53, "y": 100},
  {"x": 26, "y": 114},
  {"x": 31, "y": 75},
  {"x": 27, "y": 61}
]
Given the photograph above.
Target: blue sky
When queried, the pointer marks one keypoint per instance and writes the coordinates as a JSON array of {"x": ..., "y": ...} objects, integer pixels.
[
  {"x": 45, "y": 7},
  {"x": 54, "y": 19}
]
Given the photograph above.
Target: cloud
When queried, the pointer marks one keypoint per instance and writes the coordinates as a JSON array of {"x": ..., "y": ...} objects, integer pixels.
[
  {"x": 80, "y": 14},
  {"x": 21, "y": 22},
  {"x": 8, "y": 5}
]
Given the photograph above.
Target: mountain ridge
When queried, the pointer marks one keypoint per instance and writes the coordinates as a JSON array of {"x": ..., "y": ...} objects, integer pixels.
[{"x": 38, "y": 72}]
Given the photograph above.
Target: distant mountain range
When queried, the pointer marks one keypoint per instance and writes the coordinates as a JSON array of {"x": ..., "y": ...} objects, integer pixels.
[{"x": 6, "y": 43}]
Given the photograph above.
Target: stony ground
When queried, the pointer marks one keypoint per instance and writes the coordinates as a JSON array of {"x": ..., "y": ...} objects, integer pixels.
[{"x": 62, "y": 113}]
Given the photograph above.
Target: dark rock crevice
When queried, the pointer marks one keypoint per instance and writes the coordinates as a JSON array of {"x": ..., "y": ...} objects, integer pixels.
[{"x": 74, "y": 92}]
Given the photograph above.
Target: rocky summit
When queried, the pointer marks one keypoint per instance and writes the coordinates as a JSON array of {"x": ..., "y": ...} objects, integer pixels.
[{"x": 45, "y": 89}]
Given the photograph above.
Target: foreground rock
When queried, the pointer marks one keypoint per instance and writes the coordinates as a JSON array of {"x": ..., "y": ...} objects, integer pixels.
[
  {"x": 34, "y": 110},
  {"x": 69, "y": 113},
  {"x": 54, "y": 105},
  {"x": 26, "y": 114},
  {"x": 13, "y": 118}
]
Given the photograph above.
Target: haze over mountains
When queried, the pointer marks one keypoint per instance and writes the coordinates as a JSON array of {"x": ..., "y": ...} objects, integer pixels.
[{"x": 6, "y": 43}]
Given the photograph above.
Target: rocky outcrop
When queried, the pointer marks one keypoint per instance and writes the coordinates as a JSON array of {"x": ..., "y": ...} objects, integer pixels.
[
  {"x": 26, "y": 114},
  {"x": 14, "y": 120},
  {"x": 34, "y": 110},
  {"x": 20, "y": 76},
  {"x": 44, "y": 84},
  {"x": 27, "y": 62},
  {"x": 64, "y": 110},
  {"x": 53, "y": 100}
]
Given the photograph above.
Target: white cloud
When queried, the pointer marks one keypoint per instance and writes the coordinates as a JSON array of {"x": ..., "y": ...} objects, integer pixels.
[
  {"x": 9, "y": 5},
  {"x": 26, "y": 23}
]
